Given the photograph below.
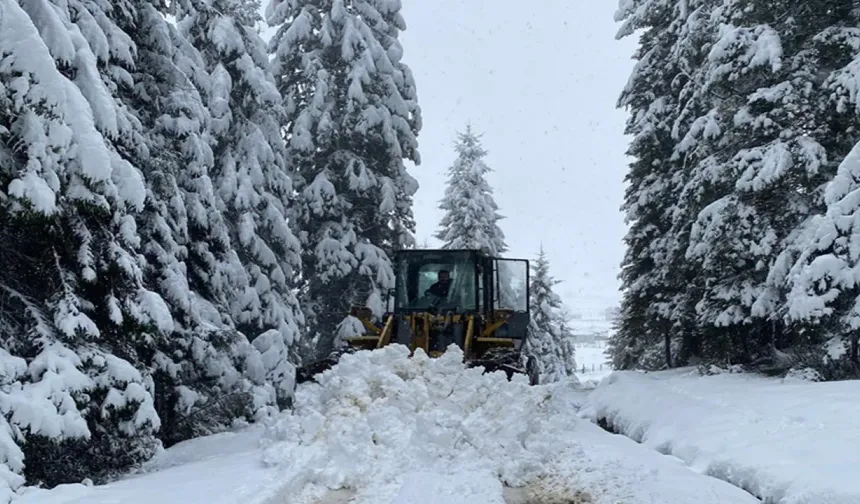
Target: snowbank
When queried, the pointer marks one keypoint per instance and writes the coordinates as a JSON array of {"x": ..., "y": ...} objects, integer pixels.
[
  {"x": 220, "y": 469},
  {"x": 786, "y": 441}
]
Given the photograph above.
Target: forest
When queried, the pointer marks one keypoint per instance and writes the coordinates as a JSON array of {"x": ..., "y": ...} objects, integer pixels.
[{"x": 188, "y": 212}]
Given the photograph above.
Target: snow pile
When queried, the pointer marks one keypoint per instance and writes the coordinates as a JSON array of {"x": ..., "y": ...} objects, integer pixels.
[
  {"x": 381, "y": 427},
  {"x": 378, "y": 415},
  {"x": 785, "y": 441}
]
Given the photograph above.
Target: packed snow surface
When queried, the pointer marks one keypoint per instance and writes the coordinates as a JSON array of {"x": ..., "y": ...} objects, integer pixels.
[
  {"x": 786, "y": 441},
  {"x": 440, "y": 488},
  {"x": 386, "y": 428}
]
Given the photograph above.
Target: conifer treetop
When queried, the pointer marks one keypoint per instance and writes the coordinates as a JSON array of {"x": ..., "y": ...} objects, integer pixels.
[{"x": 471, "y": 213}]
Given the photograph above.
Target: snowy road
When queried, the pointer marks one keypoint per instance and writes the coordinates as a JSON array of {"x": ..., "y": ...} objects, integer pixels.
[
  {"x": 383, "y": 428},
  {"x": 463, "y": 488}
]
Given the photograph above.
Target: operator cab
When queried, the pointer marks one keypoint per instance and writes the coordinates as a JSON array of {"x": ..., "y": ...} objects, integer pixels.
[
  {"x": 436, "y": 280},
  {"x": 459, "y": 281}
]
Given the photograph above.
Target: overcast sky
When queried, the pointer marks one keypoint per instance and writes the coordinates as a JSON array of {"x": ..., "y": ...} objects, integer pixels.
[{"x": 541, "y": 85}]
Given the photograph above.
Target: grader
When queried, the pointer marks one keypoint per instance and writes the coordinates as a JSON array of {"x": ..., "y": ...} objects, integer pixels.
[{"x": 441, "y": 297}]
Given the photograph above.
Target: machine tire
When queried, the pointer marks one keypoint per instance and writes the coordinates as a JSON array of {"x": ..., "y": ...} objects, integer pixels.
[{"x": 532, "y": 370}]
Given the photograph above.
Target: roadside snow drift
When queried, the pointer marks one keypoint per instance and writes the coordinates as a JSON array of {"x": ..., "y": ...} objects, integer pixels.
[
  {"x": 786, "y": 441},
  {"x": 220, "y": 469}
]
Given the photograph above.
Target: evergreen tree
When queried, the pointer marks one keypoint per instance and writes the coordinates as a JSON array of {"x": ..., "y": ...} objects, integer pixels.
[
  {"x": 549, "y": 339},
  {"x": 206, "y": 370},
  {"x": 80, "y": 315},
  {"x": 824, "y": 289},
  {"x": 129, "y": 161},
  {"x": 567, "y": 342},
  {"x": 351, "y": 120},
  {"x": 766, "y": 172},
  {"x": 653, "y": 278},
  {"x": 471, "y": 215},
  {"x": 818, "y": 266},
  {"x": 250, "y": 177},
  {"x": 192, "y": 354},
  {"x": 720, "y": 218},
  {"x": 188, "y": 257}
]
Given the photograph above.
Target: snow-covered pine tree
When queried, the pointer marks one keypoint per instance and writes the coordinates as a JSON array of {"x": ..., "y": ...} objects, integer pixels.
[
  {"x": 206, "y": 371},
  {"x": 691, "y": 181},
  {"x": 78, "y": 313},
  {"x": 352, "y": 119},
  {"x": 819, "y": 265},
  {"x": 192, "y": 365},
  {"x": 755, "y": 131},
  {"x": 471, "y": 215},
  {"x": 772, "y": 151},
  {"x": 567, "y": 342},
  {"x": 653, "y": 285},
  {"x": 824, "y": 290},
  {"x": 249, "y": 173},
  {"x": 547, "y": 341}
]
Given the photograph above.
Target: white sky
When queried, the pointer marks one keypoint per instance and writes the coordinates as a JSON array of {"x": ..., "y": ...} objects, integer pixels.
[{"x": 541, "y": 85}]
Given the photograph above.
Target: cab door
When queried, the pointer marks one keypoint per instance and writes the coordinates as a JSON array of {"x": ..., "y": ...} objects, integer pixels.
[{"x": 511, "y": 295}]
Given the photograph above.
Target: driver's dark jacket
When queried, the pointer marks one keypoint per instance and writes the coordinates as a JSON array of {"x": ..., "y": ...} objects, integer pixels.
[{"x": 439, "y": 289}]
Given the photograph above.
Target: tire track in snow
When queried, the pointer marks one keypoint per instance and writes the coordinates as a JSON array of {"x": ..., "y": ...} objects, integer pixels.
[{"x": 414, "y": 491}]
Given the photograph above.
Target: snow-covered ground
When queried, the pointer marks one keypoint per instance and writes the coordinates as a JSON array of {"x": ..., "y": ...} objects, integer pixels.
[
  {"x": 385, "y": 428},
  {"x": 591, "y": 363},
  {"x": 786, "y": 441},
  {"x": 221, "y": 469}
]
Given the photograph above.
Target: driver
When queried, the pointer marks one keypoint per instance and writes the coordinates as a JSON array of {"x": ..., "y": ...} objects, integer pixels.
[{"x": 443, "y": 283}]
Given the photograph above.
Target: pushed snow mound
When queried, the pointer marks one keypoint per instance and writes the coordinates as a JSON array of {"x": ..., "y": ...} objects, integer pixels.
[
  {"x": 382, "y": 428},
  {"x": 378, "y": 415}
]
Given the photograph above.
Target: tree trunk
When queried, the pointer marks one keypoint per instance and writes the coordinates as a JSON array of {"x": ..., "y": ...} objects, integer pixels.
[
  {"x": 668, "y": 341},
  {"x": 855, "y": 351},
  {"x": 778, "y": 335}
]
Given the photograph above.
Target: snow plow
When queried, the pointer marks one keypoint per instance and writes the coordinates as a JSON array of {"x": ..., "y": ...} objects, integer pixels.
[{"x": 466, "y": 298}]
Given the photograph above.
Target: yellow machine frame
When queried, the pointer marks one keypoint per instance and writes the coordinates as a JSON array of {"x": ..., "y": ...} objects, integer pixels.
[{"x": 421, "y": 324}]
